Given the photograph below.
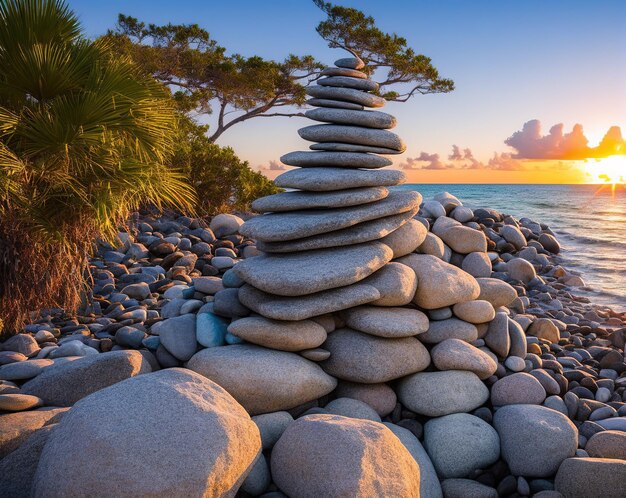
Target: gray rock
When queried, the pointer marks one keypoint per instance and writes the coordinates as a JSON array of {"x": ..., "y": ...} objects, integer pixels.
[
  {"x": 380, "y": 397},
  {"x": 513, "y": 235},
  {"x": 451, "y": 328},
  {"x": 607, "y": 444},
  {"x": 178, "y": 336},
  {"x": 441, "y": 393},
  {"x": 550, "y": 243},
  {"x": 23, "y": 370},
  {"x": 497, "y": 292},
  {"x": 362, "y": 232},
  {"x": 316, "y": 159},
  {"x": 459, "y": 444},
  {"x": 352, "y": 135},
  {"x": 464, "y": 240},
  {"x": 406, "y": 239},
  {"x": 227, "y": 303},
  {"x": 66, "y": 383},
  {"x": 335, "y": 104},
  {"x": 353, "y": 408},
  {"x": 349, "y": 82},
  {"x": 303, "y": 307},
  {"x": 263, "y": 380},
  {"x": 440, "y": 284},
  {"x": 369, "y": 119},
  {"x": 477, "y": 264},
  {"x": 16, "y": 402},
  {"x": 278, "y": 227},
  {"x": 281, "y": 335},
  {"x": 21, "y": 343},
  {"x": 259, "y": 478},
  {"x": 329, "y": 455},
  {"x": 350, "y": 62},
  {"x": 518, "y": 340},
  {"x": 302, "y": 273},
  {"x": 271, "y": 426},
  {"x": 339, "y": 71},
  {"x": 223, "y": 225},
  {"x": 345, "y": 94},
  {"x": 208, "y": 285},
  {"x": 16, "y": 428},
  {"x": 328, "y": 179},
  {"x": 18, "y": 468},
  {"x": 497, "y": 337},
  {"x": 395, "y": 282},
  {"x": 386, "y": 322},
  {"x": 474, "y": 311},
  {"x": 292, "y": 201},
  {"x": 455, "y": 354},
  {"x": 520, "y": 269},
  {"x": 429, "y": 482},
  {"x": 342, "y": 147},
  {"x": 466, "y": 488},
  {"x": 591, "y": 477},
  {"x": 364, "y": 358},
  {"x": 186, "y": 435},
  {"x": 534, "y": 439},
  {"x": 517, "y": 388}
]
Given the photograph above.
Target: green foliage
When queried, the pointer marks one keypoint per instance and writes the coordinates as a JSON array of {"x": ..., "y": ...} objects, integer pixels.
[
  {"x": 85, "y": 139},
  {"x": 411, "y": 73},
  {"x": 223, "y": 182}
]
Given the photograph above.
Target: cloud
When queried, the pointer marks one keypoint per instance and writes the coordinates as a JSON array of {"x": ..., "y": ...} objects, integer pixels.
[
  {"x": 274, "y": 166},
  {"x": 529, "y": 143},
  {"x": 424, "y": 161}
]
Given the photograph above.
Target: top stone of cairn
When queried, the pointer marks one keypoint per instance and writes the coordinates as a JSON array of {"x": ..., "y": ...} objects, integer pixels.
[{"x": 350, "y": 63}]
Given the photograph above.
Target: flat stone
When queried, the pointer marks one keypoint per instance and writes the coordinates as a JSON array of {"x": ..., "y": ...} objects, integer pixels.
[
  {"x": 178, "y": 336},
  {"x": 464, "y": 240},
  {"x": 276, "y": 227},
  {"x": 395, "y": 282},
  {"x": 330, "y": 455},
  {"x": 497, "y": 337},
  {"x": 187, "y": 437},
  {"x": 460, "y": 444},
  {"x": 335, "y": 104},
  {"x": 303, "y": 307},
  {"x": 478, "y": 311},
  {"x": 316, "y": 159},
  {"x": 369, "y": 119},
  {"x": 302, "y": 273},
  {"x": 328, "y": 179},
  {"x": 17, "y": 427},
  {"x": 591, "y": 477},
  {"x": 349, "y": 82},
  {"x": 352, "y": 135},
  {"x": 496, "y": 291},
  {"x": 435, "y": 394},
  {"x": 440, "y": 284},
  {"x": 64, "y": 384},
  {"x": 208, "y": 285},
  {"x": 345, "y": 147},
  {"x": 350, "y": 62},
  {"x": 517, "y": 388},
  {"x": 13, "y": 402},
  {"x": 346, "y": 95},
  {"x": 281, "y": 335},
  {"x": 451, "y": 328},
  {"x": 292, "y": 201},
  {"x": 455, "y": 354},
  {"x": 607, "y": 444},
  {"x": 340, "y": 71},
  {"x": 429, "y": 482},
  {"x": 534, "y": 439},
  {"x": 263, "y": 380},
  {"x": 406, "y": 239},
  {"x": 386, "y": 322},
  {"x": 380, "y": 397},
  {"x": 316, "y": 354},
  {"x": 364, "y": 358},
  {"x": 23, "y": 370},
  {"x": 362, "y": 232}
]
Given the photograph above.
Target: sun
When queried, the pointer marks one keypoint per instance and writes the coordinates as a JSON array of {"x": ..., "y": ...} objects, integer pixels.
[{"x": 609, "y": 170}]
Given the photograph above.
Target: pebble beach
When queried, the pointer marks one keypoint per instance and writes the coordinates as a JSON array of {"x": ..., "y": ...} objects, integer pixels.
[{"x": 350, "y": 338}]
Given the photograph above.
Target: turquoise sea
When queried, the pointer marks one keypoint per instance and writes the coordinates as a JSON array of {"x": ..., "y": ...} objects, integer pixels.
[{"x": 589, "y": 221}]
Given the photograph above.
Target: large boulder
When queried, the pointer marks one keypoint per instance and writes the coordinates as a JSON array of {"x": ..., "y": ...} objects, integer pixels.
[
  {"x": 68, "y": 382},
  {"x": 330, "y": 455},
  {"x": 16, "y": 428},
  {"x": 534, "y": 439},
  {"x": 368, "y": 359},
  {"x": 169, "y": 434},
  {"x": 607, "y": 444},
  {"x": 441, "y": 393},
  {"x": 591, "y": 478},
  {"x": 440, "y": 284},
  {"x": 263, "y": 380},
  {"x": 460, "y": 444}
]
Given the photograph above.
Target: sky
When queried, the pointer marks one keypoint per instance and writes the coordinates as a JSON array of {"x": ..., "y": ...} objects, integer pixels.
[{"x": 540, "y": 86}]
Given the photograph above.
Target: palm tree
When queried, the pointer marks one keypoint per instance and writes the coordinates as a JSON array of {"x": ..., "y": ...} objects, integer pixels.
[{"x": 84, "y": 140}]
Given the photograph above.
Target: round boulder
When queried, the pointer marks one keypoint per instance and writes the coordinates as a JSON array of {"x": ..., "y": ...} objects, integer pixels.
[
  {"x": 517, "y": 388},
  {"x": 330, "y": 455},
  {"x": 591, "y": 477}
]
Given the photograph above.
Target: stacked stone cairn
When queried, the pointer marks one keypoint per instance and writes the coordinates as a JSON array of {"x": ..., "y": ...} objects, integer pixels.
[{"x": 377, "y": 345}]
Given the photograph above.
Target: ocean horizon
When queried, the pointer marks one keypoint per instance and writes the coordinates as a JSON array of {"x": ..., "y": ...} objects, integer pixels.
[{"x": 589, "y": 221}]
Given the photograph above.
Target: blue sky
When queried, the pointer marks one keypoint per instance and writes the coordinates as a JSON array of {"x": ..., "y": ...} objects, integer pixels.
[{"x": 558, "y": 61}]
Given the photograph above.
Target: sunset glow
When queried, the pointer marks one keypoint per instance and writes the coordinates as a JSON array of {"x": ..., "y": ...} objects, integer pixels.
[{"x": 610, "y": 170}]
